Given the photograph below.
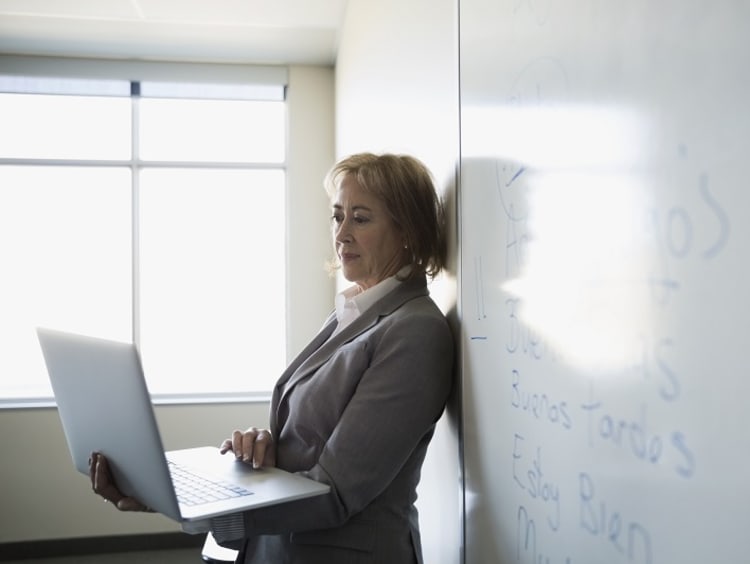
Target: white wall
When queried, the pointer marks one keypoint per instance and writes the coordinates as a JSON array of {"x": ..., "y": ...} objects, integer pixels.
[
  {"x": 397, "y": 91},
  {"x": 46, "y": 498},
  {"x": 311, "y": 153}
]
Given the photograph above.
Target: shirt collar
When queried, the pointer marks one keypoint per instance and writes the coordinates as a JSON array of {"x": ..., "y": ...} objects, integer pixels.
[{"x": 351, "y": 303}]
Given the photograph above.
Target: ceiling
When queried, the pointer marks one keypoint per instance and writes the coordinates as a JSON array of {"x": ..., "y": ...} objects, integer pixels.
[{"x": 230, "y": 31}]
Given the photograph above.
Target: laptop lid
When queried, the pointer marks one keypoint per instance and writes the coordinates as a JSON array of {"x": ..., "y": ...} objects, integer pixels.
[{"x": 104, "y": 406}]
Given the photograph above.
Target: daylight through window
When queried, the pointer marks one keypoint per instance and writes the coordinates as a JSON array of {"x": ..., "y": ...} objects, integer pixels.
[{"x": 146, "y": 212}]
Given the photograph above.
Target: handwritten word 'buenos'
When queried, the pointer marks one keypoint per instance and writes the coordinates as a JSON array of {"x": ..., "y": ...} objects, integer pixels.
[{"x": 539, "y": 404}]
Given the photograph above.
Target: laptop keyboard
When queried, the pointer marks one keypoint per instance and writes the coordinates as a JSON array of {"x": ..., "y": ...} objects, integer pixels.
[{"x": 193, "y": 489}]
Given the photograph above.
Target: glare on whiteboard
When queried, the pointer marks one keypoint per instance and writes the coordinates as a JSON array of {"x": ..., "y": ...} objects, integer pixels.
[{"x": 583, "y": 283}]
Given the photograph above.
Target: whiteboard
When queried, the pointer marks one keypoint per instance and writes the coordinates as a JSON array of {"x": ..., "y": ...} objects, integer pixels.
[{"x": 604, "y": 205}]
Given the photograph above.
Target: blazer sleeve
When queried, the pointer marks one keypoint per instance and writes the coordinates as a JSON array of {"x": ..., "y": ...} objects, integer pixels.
[{"x": 400, "y": 396}]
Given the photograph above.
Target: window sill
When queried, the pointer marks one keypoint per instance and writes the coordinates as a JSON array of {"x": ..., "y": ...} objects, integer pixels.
[{"x": 160, "y": 399}]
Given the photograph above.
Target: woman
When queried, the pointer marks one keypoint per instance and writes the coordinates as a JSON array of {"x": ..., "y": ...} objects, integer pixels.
[{"x": 357, "y": 408}]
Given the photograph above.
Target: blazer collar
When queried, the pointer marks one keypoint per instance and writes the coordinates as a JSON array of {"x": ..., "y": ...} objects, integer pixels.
[{"x": 321, "y": 348}]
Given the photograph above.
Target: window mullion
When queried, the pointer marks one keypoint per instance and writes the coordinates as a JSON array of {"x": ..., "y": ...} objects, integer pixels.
[{"x": 135, "y": 208}]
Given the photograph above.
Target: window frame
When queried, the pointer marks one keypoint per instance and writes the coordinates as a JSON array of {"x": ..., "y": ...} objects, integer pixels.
[{"x": 209, "y": 81}]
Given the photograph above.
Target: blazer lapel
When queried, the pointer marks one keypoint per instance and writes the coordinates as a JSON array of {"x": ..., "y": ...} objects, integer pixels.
[
  {"x": 319, "y": 356},
  {"x": 323, "y": 347},
  {"x": 322, "y": 336}
]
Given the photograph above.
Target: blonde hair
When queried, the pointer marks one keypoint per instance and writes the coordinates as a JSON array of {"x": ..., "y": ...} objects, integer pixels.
[{"x": 405, "y": 186}]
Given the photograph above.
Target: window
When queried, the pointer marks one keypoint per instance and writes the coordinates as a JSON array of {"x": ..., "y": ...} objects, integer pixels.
[{"x": 146, "y": 211}]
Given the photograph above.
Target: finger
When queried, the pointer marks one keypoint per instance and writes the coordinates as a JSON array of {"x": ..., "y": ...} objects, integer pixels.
[
  {"x": 237, "y": 439},
  {"x": 131, "y": 504},
  {"x": 103, "y": 482},
  {"x": 261, "y": 450},
  {"x": 248, "y": 444},
  {"x": 226, "y": 446},
  {"x": 100, "y": 479},
  {"x": 92, "y": 467}
]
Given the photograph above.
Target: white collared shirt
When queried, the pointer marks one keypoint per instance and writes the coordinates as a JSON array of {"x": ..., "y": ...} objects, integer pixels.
[{"x": 350, "y": 303}]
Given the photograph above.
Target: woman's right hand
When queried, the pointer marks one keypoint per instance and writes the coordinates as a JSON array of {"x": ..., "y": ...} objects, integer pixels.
[
  {"x": 104, "y": 485},
  {"x": 253, "y": 446}
]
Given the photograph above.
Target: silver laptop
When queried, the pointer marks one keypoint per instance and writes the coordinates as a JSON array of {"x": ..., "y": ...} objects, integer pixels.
[{"x": 105, "y": 406}]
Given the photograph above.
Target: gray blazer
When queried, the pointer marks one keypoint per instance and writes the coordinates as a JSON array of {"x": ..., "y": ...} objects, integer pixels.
[{"x": 357, "y": 412}]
